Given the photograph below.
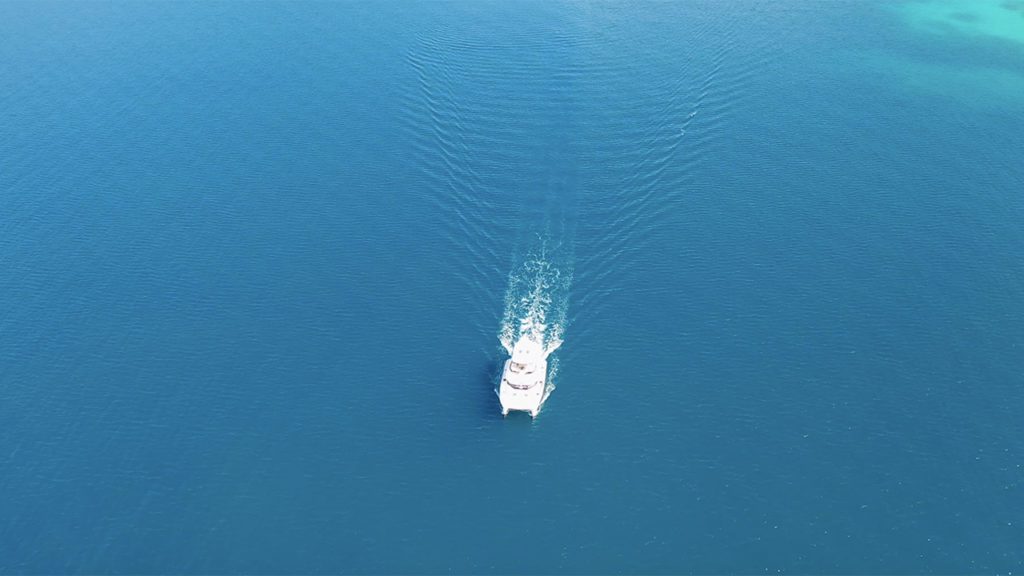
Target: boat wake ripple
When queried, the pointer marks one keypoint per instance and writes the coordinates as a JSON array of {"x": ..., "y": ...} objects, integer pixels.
[{"x": 537, "y": 300}]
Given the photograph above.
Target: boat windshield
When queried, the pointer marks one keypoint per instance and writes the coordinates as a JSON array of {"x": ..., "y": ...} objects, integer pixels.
[{"x": 520, "y": 368}]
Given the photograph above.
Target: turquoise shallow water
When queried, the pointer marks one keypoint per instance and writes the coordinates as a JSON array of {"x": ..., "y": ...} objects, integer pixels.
[{"x": 255, "y": 260}]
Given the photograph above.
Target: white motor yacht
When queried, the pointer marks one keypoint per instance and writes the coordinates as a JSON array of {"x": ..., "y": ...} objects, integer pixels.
[{"x": 524, "y": 377}]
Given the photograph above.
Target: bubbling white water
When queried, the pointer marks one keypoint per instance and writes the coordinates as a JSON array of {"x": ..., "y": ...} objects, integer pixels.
[{"x": 536, "y": 301}]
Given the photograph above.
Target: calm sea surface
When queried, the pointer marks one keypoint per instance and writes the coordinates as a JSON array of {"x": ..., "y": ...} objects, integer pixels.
[{"x": 256, "y": 260}]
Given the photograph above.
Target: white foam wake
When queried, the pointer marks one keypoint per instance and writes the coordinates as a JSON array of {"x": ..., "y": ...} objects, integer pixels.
[{"x": 536, "y": 301}]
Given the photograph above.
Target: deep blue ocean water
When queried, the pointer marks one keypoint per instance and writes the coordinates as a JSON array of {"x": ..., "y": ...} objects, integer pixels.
[{"x": 255, "y": 260}]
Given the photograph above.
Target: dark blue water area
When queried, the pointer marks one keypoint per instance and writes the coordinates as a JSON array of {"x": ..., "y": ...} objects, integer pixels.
[{"x": 255, "y": 259}]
